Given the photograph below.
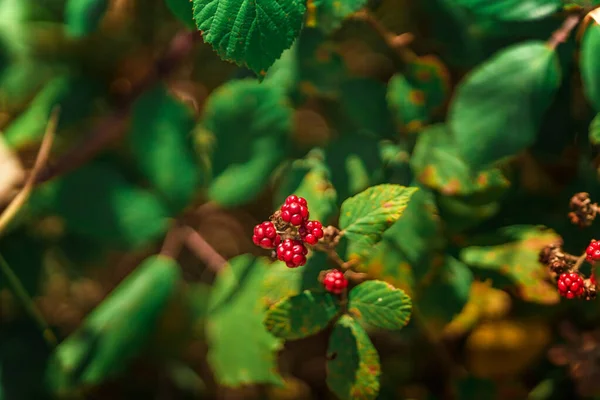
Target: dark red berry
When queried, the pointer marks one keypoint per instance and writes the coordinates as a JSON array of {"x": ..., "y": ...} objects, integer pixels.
[
  {"x": 265, "y": 235},
  {"x": 570, "y": 285},
  {"x": 335, "y": 282},
  {"x": 295, "y": 210},
  {"x": 311, "y": 232},
  {"x": 593, "y": 251},
  {"x": 292, "y": 252}
]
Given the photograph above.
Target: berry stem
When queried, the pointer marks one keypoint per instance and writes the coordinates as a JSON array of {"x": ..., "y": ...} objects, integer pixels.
[{"x": 579, "y": 262}]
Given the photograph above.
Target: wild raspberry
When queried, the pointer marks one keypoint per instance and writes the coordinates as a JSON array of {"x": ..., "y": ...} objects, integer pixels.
[
  {"x": 570, "y": 285},
  {"x": 311, "y": 232},
  {"x": 335, "y": 282},
  {"x": 593, "y": 251},
  {"x": 295, "y": 210},
  {"x": 292, "y": 252},
  {"x": 265, "y": 235}
]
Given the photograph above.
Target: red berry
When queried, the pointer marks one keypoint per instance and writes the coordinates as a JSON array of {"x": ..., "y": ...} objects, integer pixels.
[
  {"x": 335, "y": 282},
  {"x": 292, "y": 252},
  {"x": 265, "y": 235},
  {"x": 311, "y": 232},
  {"x": 295, "y": 210},
  {"x": 570, "y": 285},
  {"x": 593, "y": 251}
]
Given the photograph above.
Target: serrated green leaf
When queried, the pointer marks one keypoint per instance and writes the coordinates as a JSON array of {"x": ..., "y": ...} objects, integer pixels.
[
  {"x": 513, "y": 90},
  {"x": 365, "y": 217},
  {"x": 117, "y": 329},
  {"x": 380, "y": 305},
  {"x": 516, "y": 258},
  {"x": 83, "y": 16},
  {"x": 98, "y": 203},
  {"x": 161, "y": 143},
  {"x": 249, "y": 124},
  {"x": 236, "y": 307},
  {"x": 331, "y": 13},
  {"x": 590, "y": 67},
  {"x": 512, "y": 10},
  {"x": 310, "y": 178},
  {"x": 183, "y": 10},
  {"x": 302, "y": 315},
  {"x": 353, "y": 369},
  {"x": 437, "y": 164},
  {"x": 249, "y": 33},
  {"x": 594, "y": 134}
]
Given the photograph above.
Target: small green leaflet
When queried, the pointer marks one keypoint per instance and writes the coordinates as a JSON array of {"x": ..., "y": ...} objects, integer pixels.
[
  {"x": 380, "y": 305},
  {"x": 83, "y": 16},
  {"x": 252, "y": 33},
  {"x": 353, "y": 370},
  {"x": 302, "y": 315},
  {"x": 590, "y": 65}
]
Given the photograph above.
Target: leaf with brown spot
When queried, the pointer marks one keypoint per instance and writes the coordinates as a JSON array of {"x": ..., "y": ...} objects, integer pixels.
[{"x": 380, "y": 305}]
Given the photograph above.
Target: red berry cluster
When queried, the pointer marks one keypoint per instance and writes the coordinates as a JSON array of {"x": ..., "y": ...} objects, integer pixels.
[
  {"x": 335, "y": 282},
  {"x": 593, "y": 251},
  {"x": 570, "y": 285},
  {"x": 295, "y": 230}
]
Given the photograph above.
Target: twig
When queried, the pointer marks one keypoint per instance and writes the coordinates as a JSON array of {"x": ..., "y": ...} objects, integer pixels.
[
  {"x": 562, "y": 34},
  {"x": 21, "y": 198},
  {"x": 202, "y": 249},
  {"x": 579, "y": 262},
  {"x": 173, "y": 243},
  {"x": 108, "y": 130},
  {"x": 27, "y": 302}
]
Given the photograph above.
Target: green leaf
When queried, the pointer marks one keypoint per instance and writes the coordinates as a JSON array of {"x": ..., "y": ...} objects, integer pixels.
[
  {"x": 245, "y": 129},
  {"x": 595, "y": 130},
  {"x": 249, "y": 33},
  {"x": 331, "y": 13},
  {"x": 513, "y": 90},
  {"x": 117, "y": 329},
  {"x": 310, "y": 178},
  {"x": 437, "y": 164},
  {"x": 183, "y": 11},
  {"x": 380, "y": 305},
  {"x": 512, "y": 10},
  {"x": 98, "y": 203},
  {"x": 365, "y": 217},
  {"x": 236, "y": 308},
  {"x": 590, "y": 66},
  {"x": 161, "y": 144},
  {"x": 407, "y": 103},
  {"x": 515, "y": 258},
  {"x": 302, "y": 315},
  {"x": 83, "y": 16},
  {"x": 353, "y": 369}
]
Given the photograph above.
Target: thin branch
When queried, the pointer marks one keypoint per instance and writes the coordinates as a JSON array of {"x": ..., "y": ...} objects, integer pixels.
[
  {"x": 109, "y": 129},
  {"x": 173, "y": 243},
  {"x": 21, "y": 198},
  {"x": 202, "y": 249},
  {"x": 562, "y": 34},
  {"x": 26, "y": 301},
  {"x": 579, "y": 262}
]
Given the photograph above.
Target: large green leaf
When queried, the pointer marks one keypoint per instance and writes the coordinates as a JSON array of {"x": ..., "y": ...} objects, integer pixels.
[
  {"x": 249, "y": 33},
  {"x": 437, "y": 164},
  {"x": 515, "y": 258},
  {"x": 236, "y": 308},
  {"x": 117, "y": 329},
  {"x": 247, "y": 125},
  {"x": 183, "y": 11},
  {"x": 83, "y": 16},
  {"x": 353, "y": 369},
  {"x": 365, "y": 217},
  {"x": 310, "y": 178},
  {"x": 302, "y": 315},
  {"x": 498, "y": 108},
  {"x": 331, "y": 13},
  {"x": 512, "y": 10},
  {"x": 590, "y": 66},
  {"x": 380, "y": 305},
  {"x": 162, "y": 145},
  {"x": 98, "y": 203}
]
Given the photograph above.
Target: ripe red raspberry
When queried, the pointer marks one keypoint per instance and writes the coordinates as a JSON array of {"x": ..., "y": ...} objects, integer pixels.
[
  {"x": 292, "y": 252},
  {"x": 593, "y": 251},
  {"x": 311, "y": 232},
  {"x": 265, "y": 235},
  {"x": 570, "y": 285},
  {"x": 295, "y": 210},
  {"x": 335, "y": 282}
]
